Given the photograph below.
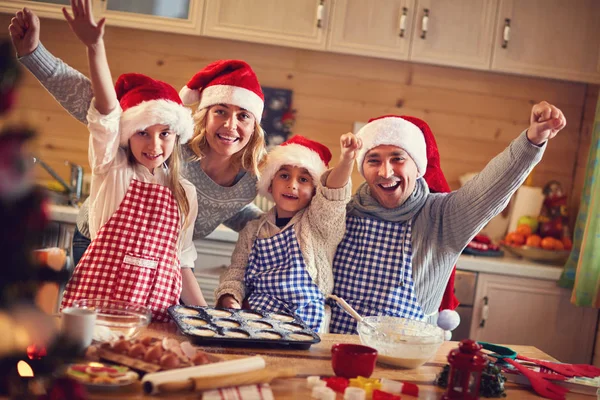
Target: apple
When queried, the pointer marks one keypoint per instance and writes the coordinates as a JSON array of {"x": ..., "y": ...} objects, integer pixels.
[{"x": 529, "y": 220}]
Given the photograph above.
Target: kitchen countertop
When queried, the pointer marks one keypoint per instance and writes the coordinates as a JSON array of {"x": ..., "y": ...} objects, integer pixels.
[
  {"x": 317, "y": 361},
  {"x": 67, "y": 214}
]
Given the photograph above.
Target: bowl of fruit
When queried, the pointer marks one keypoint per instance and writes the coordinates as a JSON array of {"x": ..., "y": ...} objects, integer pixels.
[{"x": 526, "y": 243}]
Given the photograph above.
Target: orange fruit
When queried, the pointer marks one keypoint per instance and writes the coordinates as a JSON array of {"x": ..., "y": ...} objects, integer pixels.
[
  {"x": 524, "y": 230},
  {"x": 558, "y": 245},
  {"x": 567, "y": 243},
  {"x": 548, "y": 243},
  {"x": 533, "y": 241},
  {"x": 515, "y": 239}
]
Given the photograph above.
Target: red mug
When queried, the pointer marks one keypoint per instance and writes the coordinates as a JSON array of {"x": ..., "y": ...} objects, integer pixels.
[{"x": 352, "y": 360}]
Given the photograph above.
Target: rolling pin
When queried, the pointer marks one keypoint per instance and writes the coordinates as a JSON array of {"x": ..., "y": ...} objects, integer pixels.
[{"x": 215, "y": 382}]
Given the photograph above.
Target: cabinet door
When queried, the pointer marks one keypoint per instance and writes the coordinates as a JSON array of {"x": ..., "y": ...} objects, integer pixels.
[
  {"x": 457, "y": 33},
  {"x": 550, "y": 38},
  {"x": 533, "y": 312},
  {"x": 175, "y": 16},
  {"x": 378, "y": 29},
  {"x": 43, "y": 8},
  {"x": 298, "y": 23}
]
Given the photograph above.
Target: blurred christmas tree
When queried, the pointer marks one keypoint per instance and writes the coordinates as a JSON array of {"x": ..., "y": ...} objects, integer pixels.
[{"x": 29, "y": 338}]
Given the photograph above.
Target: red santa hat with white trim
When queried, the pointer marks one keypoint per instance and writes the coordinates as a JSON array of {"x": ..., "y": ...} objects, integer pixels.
[
  {"x": 225, "y": 82},
  {"x": 296, "y": 152},
  {"x": 416, "y": 138},
  {"x": 146, "y": 102}
]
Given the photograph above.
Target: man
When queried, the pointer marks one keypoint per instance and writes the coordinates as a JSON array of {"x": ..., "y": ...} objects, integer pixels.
[{"x": 402, "y": 241}]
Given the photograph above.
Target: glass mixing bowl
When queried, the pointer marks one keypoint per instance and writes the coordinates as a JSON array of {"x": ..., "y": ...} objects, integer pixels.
[
  {"x": 115, "y": 319},
  {"x": 404, "y": 343}
]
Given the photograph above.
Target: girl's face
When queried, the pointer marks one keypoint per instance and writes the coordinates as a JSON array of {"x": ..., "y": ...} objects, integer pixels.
[
  {"x": 152, "y": 146},
  {"x": 292, "y": 189},
  {"x": 228, "y": 128}
]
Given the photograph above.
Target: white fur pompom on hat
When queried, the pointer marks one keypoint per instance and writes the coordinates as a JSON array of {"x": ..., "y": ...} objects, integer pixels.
[
  {"x": 396, "y": 131},
  {"x": 448, "y": 320},
  {"x": 296, "y": 152}
]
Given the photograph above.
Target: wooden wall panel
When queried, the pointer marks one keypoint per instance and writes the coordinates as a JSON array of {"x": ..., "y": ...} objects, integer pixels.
[{"x": 473, "y": 114}]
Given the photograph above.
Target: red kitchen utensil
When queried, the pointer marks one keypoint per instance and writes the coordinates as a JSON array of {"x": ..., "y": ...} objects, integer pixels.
[
  {"x": 539, "y": 383},
  {"x": 539, "y": 380},
  {"x": 568, "y": 370}
]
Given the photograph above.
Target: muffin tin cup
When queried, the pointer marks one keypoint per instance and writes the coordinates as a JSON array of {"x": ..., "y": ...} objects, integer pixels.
[{"x": 242, "y": 328}]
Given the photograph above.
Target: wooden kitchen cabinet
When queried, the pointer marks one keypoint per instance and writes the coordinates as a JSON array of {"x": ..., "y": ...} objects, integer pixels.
[
  {"x": 457, "y": 33},
  {"x": 379, "y": 29},
  {"x": 549, "y": 38},
  {"x": 298, "y": 23},
  {"x": 175, "y": 16},
  {"x": 533, "y": 312}
]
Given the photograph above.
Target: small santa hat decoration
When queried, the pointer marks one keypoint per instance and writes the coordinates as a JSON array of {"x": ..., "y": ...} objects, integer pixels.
[
  {"x": 402, "y": 131},
  {"x": 396, "y": 131},
  {"x": 296, "y": 152},
  {"x": 225, "y": 82},
  {"x": 146, "y": 102}
]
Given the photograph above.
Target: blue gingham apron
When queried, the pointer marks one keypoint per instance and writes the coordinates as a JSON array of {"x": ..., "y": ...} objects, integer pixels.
[
  {"x": 277, "y": 280},
  {"x": 372, "y": 269}
]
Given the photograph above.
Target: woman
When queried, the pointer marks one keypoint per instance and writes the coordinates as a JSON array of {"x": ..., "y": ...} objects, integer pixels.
[{"x": 224, "y": 154}]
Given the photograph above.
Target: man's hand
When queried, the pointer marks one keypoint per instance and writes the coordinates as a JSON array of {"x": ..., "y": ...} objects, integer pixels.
[
  {"x": 228, "y": 301},
  {"x": 545, "y": 122},
  {"x": 349, "y": 145},
  {"x": 24, "y": 32},
  {"x": 82, "y": 22}
]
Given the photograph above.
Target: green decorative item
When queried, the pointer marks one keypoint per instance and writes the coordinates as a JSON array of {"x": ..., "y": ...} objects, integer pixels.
[{"x": 582, "y": 270}]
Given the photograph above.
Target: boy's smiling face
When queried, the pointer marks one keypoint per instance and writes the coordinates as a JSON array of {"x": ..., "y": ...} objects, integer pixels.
[{"x": 292, "y": 189}]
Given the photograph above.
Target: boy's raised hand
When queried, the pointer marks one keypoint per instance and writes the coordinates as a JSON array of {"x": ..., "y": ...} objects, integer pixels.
[
  {"x": 82, "y": 22},
  {"x": 24, "y": 32},
  {"x": 349, "y": 145},
  {"x": 545, "y": 122}
]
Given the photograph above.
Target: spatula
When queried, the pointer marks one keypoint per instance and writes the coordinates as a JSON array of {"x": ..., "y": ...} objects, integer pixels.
[{"x": 352, "y": 312}]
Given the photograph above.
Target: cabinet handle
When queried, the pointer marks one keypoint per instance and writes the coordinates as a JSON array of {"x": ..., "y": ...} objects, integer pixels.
[
  {"x": 425, "y": 23},
  {"x": 485, "y": 311},
  {"x": 506, "y": 33},
  {"x": 320, "y": 9},
  {"x": 403, "y": 19}
]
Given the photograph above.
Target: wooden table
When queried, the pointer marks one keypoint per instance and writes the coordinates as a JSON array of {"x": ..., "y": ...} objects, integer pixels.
[{"x": 317, "y": 361}]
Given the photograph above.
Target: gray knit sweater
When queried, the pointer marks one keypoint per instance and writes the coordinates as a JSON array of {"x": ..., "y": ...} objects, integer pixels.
[
  {"x": 444, "y": 223},
  {"x": 216, "y": 204}
]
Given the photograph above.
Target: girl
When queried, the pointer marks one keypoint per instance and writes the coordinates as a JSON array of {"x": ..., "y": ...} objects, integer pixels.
[
  {"x": 223, "y": 170},
  {"x": 140, "y": 209}
]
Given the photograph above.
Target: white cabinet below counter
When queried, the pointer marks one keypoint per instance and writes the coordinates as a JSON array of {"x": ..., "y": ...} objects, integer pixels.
[{"x": 533, "y": 312}]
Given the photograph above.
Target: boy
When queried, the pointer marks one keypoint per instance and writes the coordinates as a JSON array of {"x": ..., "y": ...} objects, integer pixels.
[{"x": 282, "y": 261}]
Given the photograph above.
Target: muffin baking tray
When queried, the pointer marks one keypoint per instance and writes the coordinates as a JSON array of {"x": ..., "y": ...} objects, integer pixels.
[{"x": 227, "y": 326}]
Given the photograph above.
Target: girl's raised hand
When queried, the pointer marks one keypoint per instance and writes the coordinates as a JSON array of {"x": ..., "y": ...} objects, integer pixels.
[
  {"x": 349, "y": 145},
  {"x": 82, "y": 22},
  {"x": 24, "y": 31}
]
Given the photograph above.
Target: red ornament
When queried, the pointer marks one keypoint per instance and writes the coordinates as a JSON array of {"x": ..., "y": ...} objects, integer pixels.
[
  {"x": 466, "y": 365},
  {"x": 381, "y": 395},
  {"x": 338, "y": 384}
]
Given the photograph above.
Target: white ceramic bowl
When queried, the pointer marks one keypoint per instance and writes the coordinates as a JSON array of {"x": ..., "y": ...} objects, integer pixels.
[
  {"x": 407, "y": 343},
  {"x": 115, "y": 319}
]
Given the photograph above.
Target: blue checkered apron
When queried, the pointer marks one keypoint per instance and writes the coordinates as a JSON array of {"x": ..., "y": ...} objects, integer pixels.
[
  {"x": 277, "y": 280},
  {"x": 372, "y": 269}
]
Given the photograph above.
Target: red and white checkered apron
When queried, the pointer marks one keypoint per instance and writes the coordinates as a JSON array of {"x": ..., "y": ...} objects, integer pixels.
[{"x": 134, "y": 256}]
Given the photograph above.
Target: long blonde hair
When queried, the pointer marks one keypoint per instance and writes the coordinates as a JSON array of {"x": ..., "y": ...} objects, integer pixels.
[
  {"x": 250, "y": 158},
  {"x": 173, "y": 181}
]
